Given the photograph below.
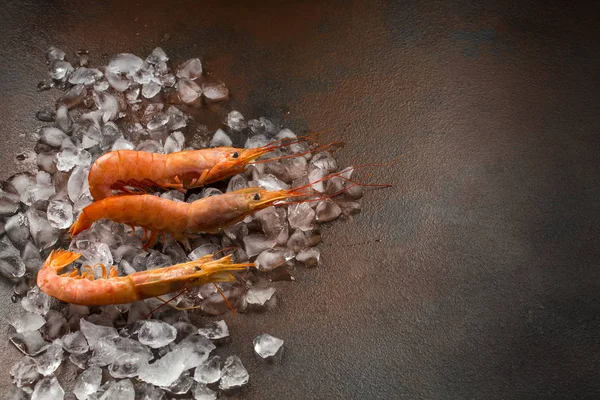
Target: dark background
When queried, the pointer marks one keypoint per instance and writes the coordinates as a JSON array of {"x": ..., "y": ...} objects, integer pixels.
[{"x": 476, "y": 276}]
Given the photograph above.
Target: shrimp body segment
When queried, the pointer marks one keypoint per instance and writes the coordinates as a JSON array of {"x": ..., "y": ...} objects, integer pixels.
[
  {"x": 85, "y": 290},
  {"x": 180, "y": 170}
]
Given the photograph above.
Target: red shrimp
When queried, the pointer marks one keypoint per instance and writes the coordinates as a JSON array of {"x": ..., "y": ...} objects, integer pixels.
[
  {"x": 182, "y": 220},
  {"x": 118, "y": 170},
  {"x": 85, "y": 290}
]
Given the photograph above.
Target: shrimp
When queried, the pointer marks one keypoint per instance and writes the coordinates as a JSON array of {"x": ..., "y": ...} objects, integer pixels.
[
  {"x": 182, "y": 220},
  {"x": 180, "y": 170},
  {"x": 85, "y": 290}
]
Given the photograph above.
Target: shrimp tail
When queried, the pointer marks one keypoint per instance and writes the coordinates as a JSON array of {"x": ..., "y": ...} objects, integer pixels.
[
  {"x": 80, "y": 225},
  {"x": 58, "y": 259}
]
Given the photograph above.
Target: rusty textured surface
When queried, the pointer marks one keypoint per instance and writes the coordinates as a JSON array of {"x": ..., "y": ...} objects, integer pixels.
[{"x": 476, "y": 276}]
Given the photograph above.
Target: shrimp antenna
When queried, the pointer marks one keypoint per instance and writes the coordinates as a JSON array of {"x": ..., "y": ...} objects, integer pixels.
[
  {"x": 165, "y": 302},
  {"x": 223, "y": 250},
  {"x": 298, "y": 140},
  {"x": 322, "y": 147},
  {"x": 225, "y": 298},
  {"x": 298, "y": 191}
]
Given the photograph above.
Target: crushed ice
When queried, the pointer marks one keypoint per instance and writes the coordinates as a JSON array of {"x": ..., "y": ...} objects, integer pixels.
[{"x": 140, "y": 103}]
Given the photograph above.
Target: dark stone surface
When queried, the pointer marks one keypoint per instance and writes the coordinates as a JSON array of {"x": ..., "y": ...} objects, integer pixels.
[{"x": 476, "y": 276}]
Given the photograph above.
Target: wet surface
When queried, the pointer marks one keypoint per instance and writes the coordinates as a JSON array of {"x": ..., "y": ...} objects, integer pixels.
[{"x": 476, "y": 276}]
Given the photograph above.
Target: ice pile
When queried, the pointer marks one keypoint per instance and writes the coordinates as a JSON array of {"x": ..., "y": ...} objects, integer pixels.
[{"x": 144, "y": 104}]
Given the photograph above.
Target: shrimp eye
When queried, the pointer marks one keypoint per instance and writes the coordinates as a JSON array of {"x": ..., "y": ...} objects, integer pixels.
[
  {"x": 256, "y": 197},
  {"x": 235, "y": 155}
]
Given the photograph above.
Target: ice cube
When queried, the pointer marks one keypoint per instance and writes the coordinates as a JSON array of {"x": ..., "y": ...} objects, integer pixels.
[
  {"x": 29, "y": 343},
  {"x": 327, "y": 210},
  {"x": 80, "y": 360},
  {"x": 94, "y": 253},
  {"x": 286, "y": 134},
  {"x": 157, "y": 56},
  {"x": 191, "y": 69},
  {"x": 69, "y": 158},
  {"x": 215, "y": 330},
  {"x": 125, "y": 63},
  {"x": 17, "y": 229},
  {"x": 156, "y": 334},
  {"x": 255, "y": 244},
  {"x": 63, "y": 122},
  {"x": 121, "y": 390},
  {"x": 24, "y": 372},
  {"x": 85, "y": 76},
  {"x": 151, "y": 89},
  {"x": 202, "y": 392},
  {"x": 274, "y": 223},
  {"x": 236, "y": 121},
  {"x": 108, "y": 104},
  {"x": 48, "y": 389},
  {"x": 168, "y": 80},
  {"x": 156, "y": 259},
  {"x": 233, "y": 375},
  {"x": 216, "y": 305},
  {"x": 54, "y": 53},
  {"x": 26, "y": 322},
  {"x": 197, "y": 349},
  {"x": 127, "y": 365},
  {"x": 11, "y": 264},
  {"x": 75, "y": 343},
  {"x": 51, "y": 136},
  {"x": 60, "y": 214},
  {"x": 301, "y": 216},
  {"x": 182, "y": 385},
  {"x": 215, "y": 91},
  {"x": 48, "y": 362},
  {"x": 220, "y": 139},
  {"x": 256, "y": 141},
  {"x": 203, "y": 250},
  {"x": 21, "y": 181},
  {"x": 37, "y": 192},
  {"x": 103, "y": 85},
  {"x": 324, "y": 160},
  {"x": 105, "y": 352},
  {"x": 46, "y": 161},
  {"x": 73, "y": 97},
  {"x": 262, "y": 126},
  {"x": 36, "y": 301},
  {"x": 209, "y": 371},
  {"x": 149, "y": 392},
  {"x": 309, "y": 257},
  {"x": 119, "y": 83},
  {"x": 165, "y": 370},
  {"x": 267, "y": 346},
  {"x": 44, "y": 235},
  {"x": 188, "y": 90},
  {"x": 94, "y": 332},
  {"x": 314, "y": 178},
  {"x": 149, "y": 146},
  {"x": 237, "y": 182},
  {"x": 56, "y": 326},
  {"x": 173, "y": 143},
  {"x": 122, "y": 144},
  {"x": 258, "y": 296},
  {"x": 177, "y": 119},
  {"x": 270, "y": 259},
  {"x": 271, "y": 183},
  {"x": 158, "y": 121},
  {"x": 78, "y": 183},
  {"x": 60, "y": 69},
  {"x": 9, "y": 204},
  {"x": 87, "y": 383}
]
